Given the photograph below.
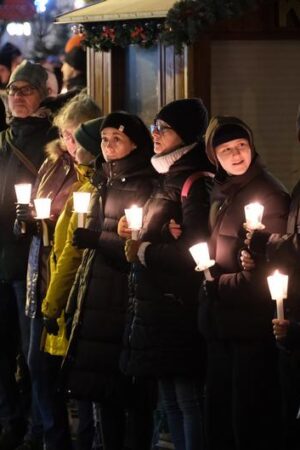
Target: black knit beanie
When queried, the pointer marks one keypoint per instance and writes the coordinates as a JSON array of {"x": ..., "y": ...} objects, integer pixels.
[
  {"x": 188, "y": 117},
  {"x": 76, "y": 58},
  {"x": 132, "y": 126},
  {"x": 229, "y": 132},
  {"x": 88, "y": 135}
]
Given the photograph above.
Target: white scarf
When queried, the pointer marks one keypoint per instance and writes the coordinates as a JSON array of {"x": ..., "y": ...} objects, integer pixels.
[{"x": 164, "y": 161}]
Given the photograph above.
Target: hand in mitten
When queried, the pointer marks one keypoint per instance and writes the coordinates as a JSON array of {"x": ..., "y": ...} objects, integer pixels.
[
  {"x": 51, "y": 325},
  {"x": 131, "y": 250},
  {"x": 84, "y": 238},
  {"x": 24, "y": 212}
]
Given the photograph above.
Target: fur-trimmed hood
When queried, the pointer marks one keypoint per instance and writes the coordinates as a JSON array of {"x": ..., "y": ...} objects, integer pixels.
[{"x": 54, "y": 150}]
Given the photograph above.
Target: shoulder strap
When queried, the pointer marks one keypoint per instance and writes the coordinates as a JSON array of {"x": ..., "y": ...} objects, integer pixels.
[
  {"x": 27, "y": 163},
  {"x": 190, "y": 180}
]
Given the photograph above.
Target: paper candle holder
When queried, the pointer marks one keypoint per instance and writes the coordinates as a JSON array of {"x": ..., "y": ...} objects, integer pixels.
[
  {"x": 23, "y": 193},
  {"x": 278, "y": 286},
  {"x": 134, "y": 217},
  {"x": 253, "y": 214}
]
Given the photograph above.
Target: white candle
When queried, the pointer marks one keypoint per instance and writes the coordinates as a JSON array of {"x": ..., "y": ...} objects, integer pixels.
[
  {"x": 81, "y": 202},
  {"x": 134, "y": 217},
  {"x": 42, "y": 207},
  {"x": 278, "y": 285},
  {"x": 253, "y": 215},
  {"x": 23, "y": 193},
  {"x": 201, "y": 256}
]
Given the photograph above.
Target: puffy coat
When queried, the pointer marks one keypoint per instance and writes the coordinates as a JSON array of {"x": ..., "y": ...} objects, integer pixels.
[
  {"x": 30, "y": 135},
  {"x": 283, "y": 252},
  {"x": 161, "y": 336},
  {"x": 91, "y": 367},
  {"x": 241, "y": 307}
]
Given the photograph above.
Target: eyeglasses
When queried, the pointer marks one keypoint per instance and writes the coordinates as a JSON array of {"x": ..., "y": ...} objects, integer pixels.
[
  {"x": 66, "y": 136},
  {"x": 159, "y": 128},
  {"x": 23, "y": 91}
]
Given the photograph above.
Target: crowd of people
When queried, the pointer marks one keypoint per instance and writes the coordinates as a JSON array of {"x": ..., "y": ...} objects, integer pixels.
[{"x": 122, "y": 322}]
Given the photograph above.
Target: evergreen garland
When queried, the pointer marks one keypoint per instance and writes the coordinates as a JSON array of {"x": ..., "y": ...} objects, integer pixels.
[
  {"x": 121, "y": 34},
  {"x": 189, "y": 18},
  {"x": 184, "y": 23}
]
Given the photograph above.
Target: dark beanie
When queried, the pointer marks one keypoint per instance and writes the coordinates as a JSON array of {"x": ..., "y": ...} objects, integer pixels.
[
  {"x": 33, "y": 73},
  {"x": 188, "y": 117},
  {"x": 88, "y": 135},
  {"x": 7, "y": 54},
  {"x": 228, "y": 133},
  {"x": 76, "y": 58},
  {"x": 132, "y": 126}
]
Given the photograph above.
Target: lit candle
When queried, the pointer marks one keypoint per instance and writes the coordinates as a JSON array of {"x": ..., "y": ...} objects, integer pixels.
[
  {"x": 253, "y": 215},
  {"x": 43, "y": 207},
  {"x": 134, "y": 216},
  {"x": 23, "y": 193},
  {"x": 278, "y": 285},
  {"x": 201, "y": 256},
  {"x": 81, "y": 202}
]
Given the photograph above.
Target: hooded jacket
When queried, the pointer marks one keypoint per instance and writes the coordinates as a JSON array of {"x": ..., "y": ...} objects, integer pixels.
[
  {"x": 64, "y": 262},
  {"x": 241, "y": 306}
]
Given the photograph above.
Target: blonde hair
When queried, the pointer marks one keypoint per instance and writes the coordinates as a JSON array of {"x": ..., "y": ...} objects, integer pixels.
[{"x": 79, "y": 109}]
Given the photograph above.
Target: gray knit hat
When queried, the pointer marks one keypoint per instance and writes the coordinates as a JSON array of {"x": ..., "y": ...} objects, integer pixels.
[{"x": 33, "y": 73}]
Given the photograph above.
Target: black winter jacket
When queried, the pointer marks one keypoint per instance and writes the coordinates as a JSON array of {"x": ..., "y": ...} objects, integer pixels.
[
  {"x": 283, "y": 252},
  {"x": 241, "y": 307},
  {"x": 30, "y": 135},
  {"x": 91, "y": 367},
  {"x": 161, "y": 337}
]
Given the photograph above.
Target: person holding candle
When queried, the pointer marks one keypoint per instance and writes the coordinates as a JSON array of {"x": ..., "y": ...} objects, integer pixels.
[
  {"x": 281, "y": 251},
  {"x": 91, "y": 367},
  {"x": 21, "y": 154},
  {"x": 55, "y": 180},
  {"x": 161, "y": 338},
  {"x": 242, "y": 390},
  {"x": 65, "y": 260}
]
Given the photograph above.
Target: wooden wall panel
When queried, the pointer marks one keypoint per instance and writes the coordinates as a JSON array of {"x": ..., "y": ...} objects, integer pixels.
[{"x": 99, "y": 78}]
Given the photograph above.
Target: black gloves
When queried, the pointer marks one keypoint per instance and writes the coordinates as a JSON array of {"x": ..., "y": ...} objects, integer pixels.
[
  {"x": 84, "y": 238},
  {"x": 210, "y": 289},
  {"x": 24, "y": 213},
  {"x": 51, "y": 325}
]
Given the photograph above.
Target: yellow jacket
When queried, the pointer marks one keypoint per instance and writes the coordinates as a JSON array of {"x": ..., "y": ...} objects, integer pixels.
[{"x": 64, "y": 262}]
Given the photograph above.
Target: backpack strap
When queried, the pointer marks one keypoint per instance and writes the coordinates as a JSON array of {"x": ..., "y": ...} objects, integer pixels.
[
  {"x": 27, "y": 163},
  {"x": 191, "y": 179}
]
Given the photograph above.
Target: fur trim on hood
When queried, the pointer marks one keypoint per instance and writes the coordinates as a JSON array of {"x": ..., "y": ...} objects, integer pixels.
[{"x": 54, "y": 150}]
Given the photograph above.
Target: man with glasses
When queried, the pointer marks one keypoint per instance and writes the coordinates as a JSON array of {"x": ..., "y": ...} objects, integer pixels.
[{"x": 21, "y": 154}]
